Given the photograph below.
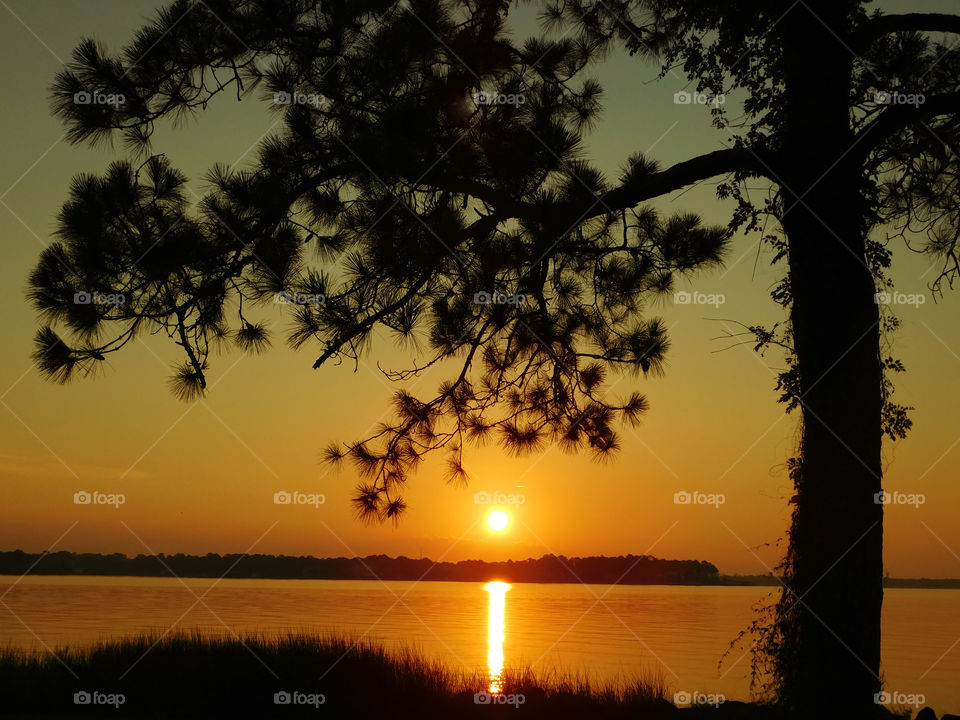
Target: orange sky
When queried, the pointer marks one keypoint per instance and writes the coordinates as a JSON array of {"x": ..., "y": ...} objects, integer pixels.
[{"x": 201, "y": 478}]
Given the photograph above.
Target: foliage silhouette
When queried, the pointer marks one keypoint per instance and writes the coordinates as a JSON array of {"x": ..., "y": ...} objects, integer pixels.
[{"x": 416, "y": 200}]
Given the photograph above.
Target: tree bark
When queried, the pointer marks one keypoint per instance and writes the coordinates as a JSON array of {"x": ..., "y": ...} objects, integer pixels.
[{"x": 836, "y": 540}]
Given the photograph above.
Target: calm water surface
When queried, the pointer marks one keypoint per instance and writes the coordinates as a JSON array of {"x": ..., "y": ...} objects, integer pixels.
[{"x": 608, "y": 632}]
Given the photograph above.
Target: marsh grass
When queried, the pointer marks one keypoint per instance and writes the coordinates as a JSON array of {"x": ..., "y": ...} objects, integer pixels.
[{"x": 189, "y": 674}]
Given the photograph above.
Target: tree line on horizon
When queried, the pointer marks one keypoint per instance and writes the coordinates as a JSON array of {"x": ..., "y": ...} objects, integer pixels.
[{"x": 623, "y": 569}]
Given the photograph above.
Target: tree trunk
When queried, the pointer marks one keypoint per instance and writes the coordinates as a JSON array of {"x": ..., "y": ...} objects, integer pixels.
[{"x": 836, "y": 563}]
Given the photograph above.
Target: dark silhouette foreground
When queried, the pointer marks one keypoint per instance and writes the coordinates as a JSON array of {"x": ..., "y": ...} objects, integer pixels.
[{"x": 187, "y": 676}]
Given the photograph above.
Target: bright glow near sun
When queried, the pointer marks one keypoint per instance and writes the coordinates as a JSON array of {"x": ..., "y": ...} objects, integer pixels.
[{"x": 498, "y": 520}]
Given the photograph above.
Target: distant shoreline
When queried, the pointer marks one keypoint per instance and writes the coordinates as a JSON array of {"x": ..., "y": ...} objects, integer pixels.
[
  {"x": 548, "y": 569},
  {"x": 624, "y": 569},
  {"x": 914, "y": 583}
]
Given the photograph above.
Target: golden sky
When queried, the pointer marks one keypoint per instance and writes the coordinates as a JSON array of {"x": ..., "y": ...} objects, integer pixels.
[{"x": 200, "y": 478}]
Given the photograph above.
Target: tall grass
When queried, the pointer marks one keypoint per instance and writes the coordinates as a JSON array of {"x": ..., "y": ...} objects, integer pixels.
[{"x": 193, "y": 675}]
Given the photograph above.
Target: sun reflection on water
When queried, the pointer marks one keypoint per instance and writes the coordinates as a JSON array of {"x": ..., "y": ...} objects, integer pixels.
[{"x": 498, "y": 591}]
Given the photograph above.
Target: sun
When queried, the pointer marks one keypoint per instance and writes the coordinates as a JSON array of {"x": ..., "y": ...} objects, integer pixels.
[{"x": 498, "y": 520}]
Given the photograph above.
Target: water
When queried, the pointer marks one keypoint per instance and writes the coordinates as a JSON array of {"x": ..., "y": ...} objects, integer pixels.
[{"x": 609, "y": 632}]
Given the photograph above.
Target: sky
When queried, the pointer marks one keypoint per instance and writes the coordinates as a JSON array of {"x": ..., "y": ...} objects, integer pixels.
[{"x": 201, "y": 477}]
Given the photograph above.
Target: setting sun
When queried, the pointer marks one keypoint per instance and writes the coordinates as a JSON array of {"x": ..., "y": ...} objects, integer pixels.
[{"x": 498, "y": 520}]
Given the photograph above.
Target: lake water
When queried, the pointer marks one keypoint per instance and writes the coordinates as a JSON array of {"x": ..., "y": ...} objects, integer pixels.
[{"x": 609, "y": 632}]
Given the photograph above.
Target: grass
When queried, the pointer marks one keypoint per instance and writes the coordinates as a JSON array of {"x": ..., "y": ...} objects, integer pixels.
[{"x": 190, "y": 675}]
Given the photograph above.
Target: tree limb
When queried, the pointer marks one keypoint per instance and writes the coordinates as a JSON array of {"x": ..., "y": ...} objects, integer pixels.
[
  {"x": 897, "y": 117},
  {"x": 881, "y": 25},
  {"x": 677, "y": 176}
]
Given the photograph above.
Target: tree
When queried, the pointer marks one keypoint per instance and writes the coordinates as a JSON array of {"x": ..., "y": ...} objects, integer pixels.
[{"x": 472, "y": 221}]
